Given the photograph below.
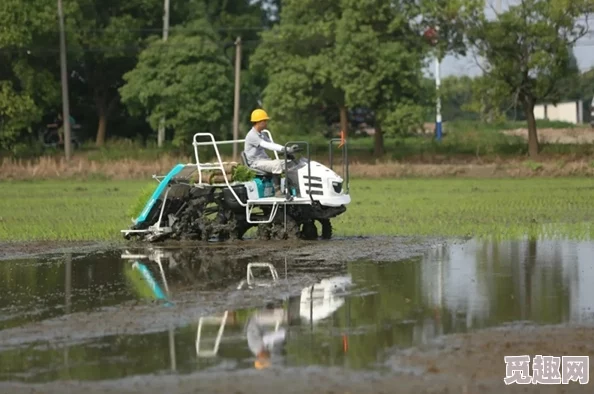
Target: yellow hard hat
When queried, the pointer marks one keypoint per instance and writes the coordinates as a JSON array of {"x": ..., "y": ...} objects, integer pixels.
[
  {"x": 262, "y": 359},
  {"x": 261, "y": 364},
  {"x": 259, "y": 115}
]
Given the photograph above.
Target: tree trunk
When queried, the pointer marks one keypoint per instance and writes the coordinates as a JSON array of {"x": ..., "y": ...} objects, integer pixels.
[
  {"x": 104, "y": 111},
  {"x": 101, "y": 129},
  {"x": 532, "y": 136},
  {"x": 344, "y": 120},
  {"x": 378, "y": 141},
  {"x": 101, "y": 104}
]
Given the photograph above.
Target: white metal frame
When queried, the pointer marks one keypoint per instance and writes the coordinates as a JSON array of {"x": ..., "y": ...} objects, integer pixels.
[
  {"x": 156, "y": 257},
  {"x": 250, "y": 204},
  {"x": 250, "y": 276},
  {"x": 215, "y": 350}
]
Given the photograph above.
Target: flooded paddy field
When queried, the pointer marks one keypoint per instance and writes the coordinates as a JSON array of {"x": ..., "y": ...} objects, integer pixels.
[{"x": 352, "y": 315}]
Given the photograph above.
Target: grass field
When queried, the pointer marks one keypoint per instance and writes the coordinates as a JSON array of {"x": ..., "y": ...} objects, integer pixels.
[{"x": 508, "y": 208}]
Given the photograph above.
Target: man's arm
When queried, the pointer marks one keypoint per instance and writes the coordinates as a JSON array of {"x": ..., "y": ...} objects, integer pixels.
[
  {"x": 254, "y": 139},
  {"x": 271, "y": 146}
]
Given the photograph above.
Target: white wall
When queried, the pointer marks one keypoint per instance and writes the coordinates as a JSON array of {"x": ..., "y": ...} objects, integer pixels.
[{"x": 566, "y": 112}]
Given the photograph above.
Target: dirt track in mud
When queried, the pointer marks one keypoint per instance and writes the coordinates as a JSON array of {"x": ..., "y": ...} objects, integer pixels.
[
  {"x": 460, "y": 363},
  {"x": 338, "y": 249}
]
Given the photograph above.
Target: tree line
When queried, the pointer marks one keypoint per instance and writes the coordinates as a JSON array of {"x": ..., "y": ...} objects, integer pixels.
[{"x": 306, "y": 61}]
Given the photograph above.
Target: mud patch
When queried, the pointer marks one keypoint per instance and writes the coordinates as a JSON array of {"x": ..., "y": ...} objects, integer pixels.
[
  {"x": 16, "y": 250},
  {"x": 345, "y": 248}
]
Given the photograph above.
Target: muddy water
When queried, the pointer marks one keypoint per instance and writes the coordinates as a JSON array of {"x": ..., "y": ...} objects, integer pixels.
[{"x": 317, "y": 313}]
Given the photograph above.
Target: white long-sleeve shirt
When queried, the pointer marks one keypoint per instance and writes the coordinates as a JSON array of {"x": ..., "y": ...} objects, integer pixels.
[
  {"x": 255, "y": 146},
  {"x": 260, "y": 339}
]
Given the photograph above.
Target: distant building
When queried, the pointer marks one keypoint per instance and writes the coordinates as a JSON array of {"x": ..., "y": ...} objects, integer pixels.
[{"x": 571, "y": 112}]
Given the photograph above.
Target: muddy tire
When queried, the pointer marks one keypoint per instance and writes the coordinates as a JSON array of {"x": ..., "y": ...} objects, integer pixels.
[
  {"x": 309, "y": 231},
  {"x": 187, "y": 224},
  {"x": 326, "y": 228},
  {"x": 276, "y": 230},
  {"x": 239, "y": 230},
  {"x": 263, "y": 232},
  {"x": 290, "y": 232}
]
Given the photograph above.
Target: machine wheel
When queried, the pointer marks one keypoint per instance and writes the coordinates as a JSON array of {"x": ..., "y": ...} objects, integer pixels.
[
  {"x": 276, "y": 229},
  {"x": 326, "y": 228},
  {"x": 263, "y": 232},
  {"x": 188, "y": 220},
  {"x": 309, "y": 231},
  {"x": 241, "y": 227}
]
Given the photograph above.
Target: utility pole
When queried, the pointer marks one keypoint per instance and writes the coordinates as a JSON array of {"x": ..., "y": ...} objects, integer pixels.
[
  {"x": 236, "y": 99},
  {"x": 161, "y": 132},
  {"x": 64, "y": 72},
  {"x": 438, "y": 129},
  {"x": 438, "y": 101}
]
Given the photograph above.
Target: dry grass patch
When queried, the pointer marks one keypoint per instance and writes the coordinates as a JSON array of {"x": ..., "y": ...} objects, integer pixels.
[{"x": 123, "y": 169}]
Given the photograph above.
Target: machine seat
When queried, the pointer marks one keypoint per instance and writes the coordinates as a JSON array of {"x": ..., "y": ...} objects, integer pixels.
[{"x": 257, "y": 171}]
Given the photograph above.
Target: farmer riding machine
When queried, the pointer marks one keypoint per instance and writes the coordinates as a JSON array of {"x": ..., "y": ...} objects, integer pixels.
[{"x": 224, "y": 200}]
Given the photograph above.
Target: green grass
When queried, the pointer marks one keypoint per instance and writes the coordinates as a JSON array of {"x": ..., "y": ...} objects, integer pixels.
[
  {"x": 502, "y": 208},
  {"x": 505, "y": 208},
  {"x": 63, "y": 210}
]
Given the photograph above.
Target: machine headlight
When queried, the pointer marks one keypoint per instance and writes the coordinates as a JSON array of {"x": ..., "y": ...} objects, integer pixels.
[{"x": 337, "y": 186}]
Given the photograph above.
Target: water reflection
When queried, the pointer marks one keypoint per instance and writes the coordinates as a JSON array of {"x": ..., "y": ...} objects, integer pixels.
[
  {"x": 39, "y": 289},
  {"x": 264, "y": 330},
  {"x": 351, "y": 318},
  {"x": 480, "y": 283}
]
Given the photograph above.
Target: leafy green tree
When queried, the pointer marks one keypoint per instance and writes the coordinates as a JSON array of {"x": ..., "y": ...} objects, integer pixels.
[
  {"x": 450, "y": 19},
  {"x": 299, "y": 57},
  {"x": 587, "y": 93},
  {"x": 245, "y": 19},
  {"x": 570, "y": 84},
  {"x": 185, "y": 80},
  {"x": 17, "y": 110},
  {"x": 379, "y": 64},
  {"x": 28, "y": 71},
  {"x": 347, "y": 53},
  {"x": 488, "y": 101},
  {"x": 527, "y": 50},
  {"x": 587, "y": 84},
  {"x": 104, "y": 38},
  {"x": 457, "y": 95},
  {"x": 443, "y": 26}
]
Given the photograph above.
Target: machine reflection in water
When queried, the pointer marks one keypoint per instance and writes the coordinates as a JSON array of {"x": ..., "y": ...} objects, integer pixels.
[{"x": 266, "y": 329}]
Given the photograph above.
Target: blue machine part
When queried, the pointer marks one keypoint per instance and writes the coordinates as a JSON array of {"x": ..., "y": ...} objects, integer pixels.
[
  {"x": 151, "y": 281},
  {"x": 265, "y": 187},
  {"x": 162, "y": 185},
  {"x": 259, "y": 187}
]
